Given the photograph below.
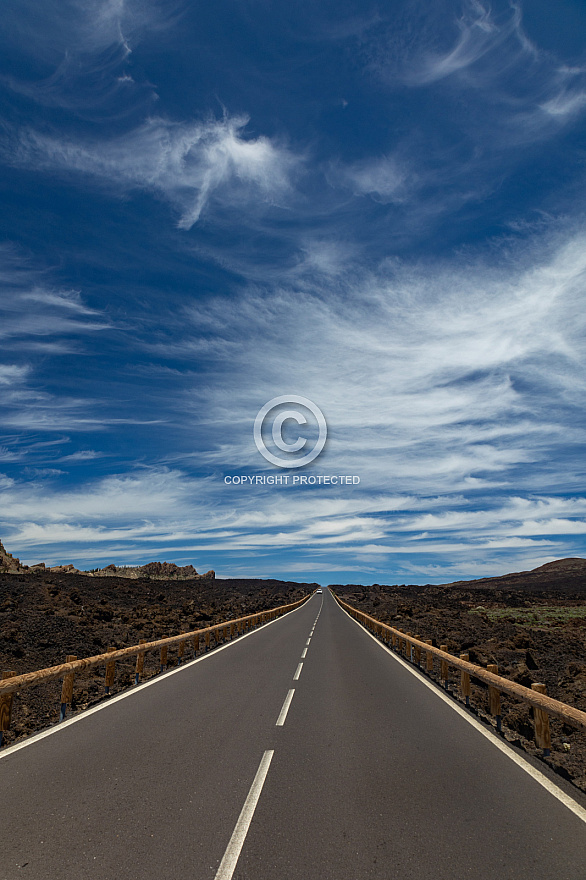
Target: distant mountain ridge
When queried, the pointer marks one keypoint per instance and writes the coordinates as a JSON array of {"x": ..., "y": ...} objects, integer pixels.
[
  {"x": 9, "y": 564},
  {"x": 569, "y": 573}
]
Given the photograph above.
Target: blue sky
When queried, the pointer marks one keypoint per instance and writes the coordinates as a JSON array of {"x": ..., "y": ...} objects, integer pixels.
[{"x": 378, "y": 207}]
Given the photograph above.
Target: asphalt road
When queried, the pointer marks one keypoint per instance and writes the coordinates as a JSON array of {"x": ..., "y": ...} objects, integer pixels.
[{"x": 247, "y": 765}]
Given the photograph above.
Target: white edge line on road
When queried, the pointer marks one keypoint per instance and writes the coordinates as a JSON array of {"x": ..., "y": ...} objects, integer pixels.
[
  {"x": 304, "y": 655},
  {"x": 232, "y": 854},
  {"x": 57, "y": 727},
  {"x": 285, "y": 709},
  {"x": 298, "y": 672},
  {"x": 537, "y": 775}
]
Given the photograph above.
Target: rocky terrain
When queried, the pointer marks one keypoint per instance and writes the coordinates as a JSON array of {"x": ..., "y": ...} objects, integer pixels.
[
  {"x": 531, "y": 624},
  {"x": 45, "y": 615}
]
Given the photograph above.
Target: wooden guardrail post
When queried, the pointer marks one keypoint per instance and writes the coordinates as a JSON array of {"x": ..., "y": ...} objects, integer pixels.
[
  {"x": 393, "y": 640},
  {"x": 139, "y": 663},
  {"x": 494, "y": 697},
  {"x": 429, "y": 657},
  {"x": 5, "y": 706},
  {"x": 195, "y": 644},
  {"x": 444, "y": 668},
  {"x": 232, "y": 630},
  {"x": 67, "y": 688},
  {"x": 164, "y": 653},
  {"x": 180, "y": 653},
  {"x": 207, "y": 639},
  {"x": 541, "y": 721},
  {"x": 110, "y": 672},
  {"x": 465, "y": 688},
  {"x": 417, "y": 651}
]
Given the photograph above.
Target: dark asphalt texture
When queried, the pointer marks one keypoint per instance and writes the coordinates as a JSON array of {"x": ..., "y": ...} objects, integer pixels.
[{"x": 373, "y": 776}]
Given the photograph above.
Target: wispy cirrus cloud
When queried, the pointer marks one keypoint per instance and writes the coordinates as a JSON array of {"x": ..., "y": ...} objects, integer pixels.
[
  {"x": 493, "y": 56},
  {"x": 498, "y": 93},
  {"x": 388, "y": 179},
  {"x": 36, "y": 316},
  {"x": 479, "y": 35},
  {"x": 13, "y": 374},
  {"x": 81, "y": 53},
  {"x": 462, "y": 362},
  {"x": 187, "y": 164},
  {"x": 38, "y": 321}
]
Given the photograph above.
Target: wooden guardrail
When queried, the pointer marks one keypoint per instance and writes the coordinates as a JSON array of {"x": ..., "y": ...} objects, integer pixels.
[
  {"x": 11, "y": 682},
  {"x": 535, "y": 696}
]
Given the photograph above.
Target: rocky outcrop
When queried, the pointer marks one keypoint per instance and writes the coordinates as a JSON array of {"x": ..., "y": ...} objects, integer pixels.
[
  {"x": 9, "y": 563},
  {"x": 168, "y": 570},
  {"x": 154, "y": 570}
]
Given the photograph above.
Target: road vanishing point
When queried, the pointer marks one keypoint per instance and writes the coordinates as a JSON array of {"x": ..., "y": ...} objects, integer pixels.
[{"x": 304, "y": 750}]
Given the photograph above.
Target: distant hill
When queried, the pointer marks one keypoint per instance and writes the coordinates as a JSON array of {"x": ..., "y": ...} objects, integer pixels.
[{"x": 562, "y": 574}]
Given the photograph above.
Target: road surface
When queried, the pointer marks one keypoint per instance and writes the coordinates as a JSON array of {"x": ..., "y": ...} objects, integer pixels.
[{"x": 303, "y": 751}]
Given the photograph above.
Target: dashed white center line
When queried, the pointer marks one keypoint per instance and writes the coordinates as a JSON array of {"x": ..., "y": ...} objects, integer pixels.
[
  {"x": 298, "y": 672},
  {"x": 228, "y": 863},
  {"x": 285, "y": 709},
  {"x": 308, "y": 641},
  {"x": 304, "y": 655}
]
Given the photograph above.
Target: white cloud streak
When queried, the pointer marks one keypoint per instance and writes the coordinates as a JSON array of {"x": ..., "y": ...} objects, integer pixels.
[
  {"x": 87, "y": 48},
  {"x": 38, "y": 321},
  {"x": 444, "y": 374},
  {"x": 188, "y": 164}
]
